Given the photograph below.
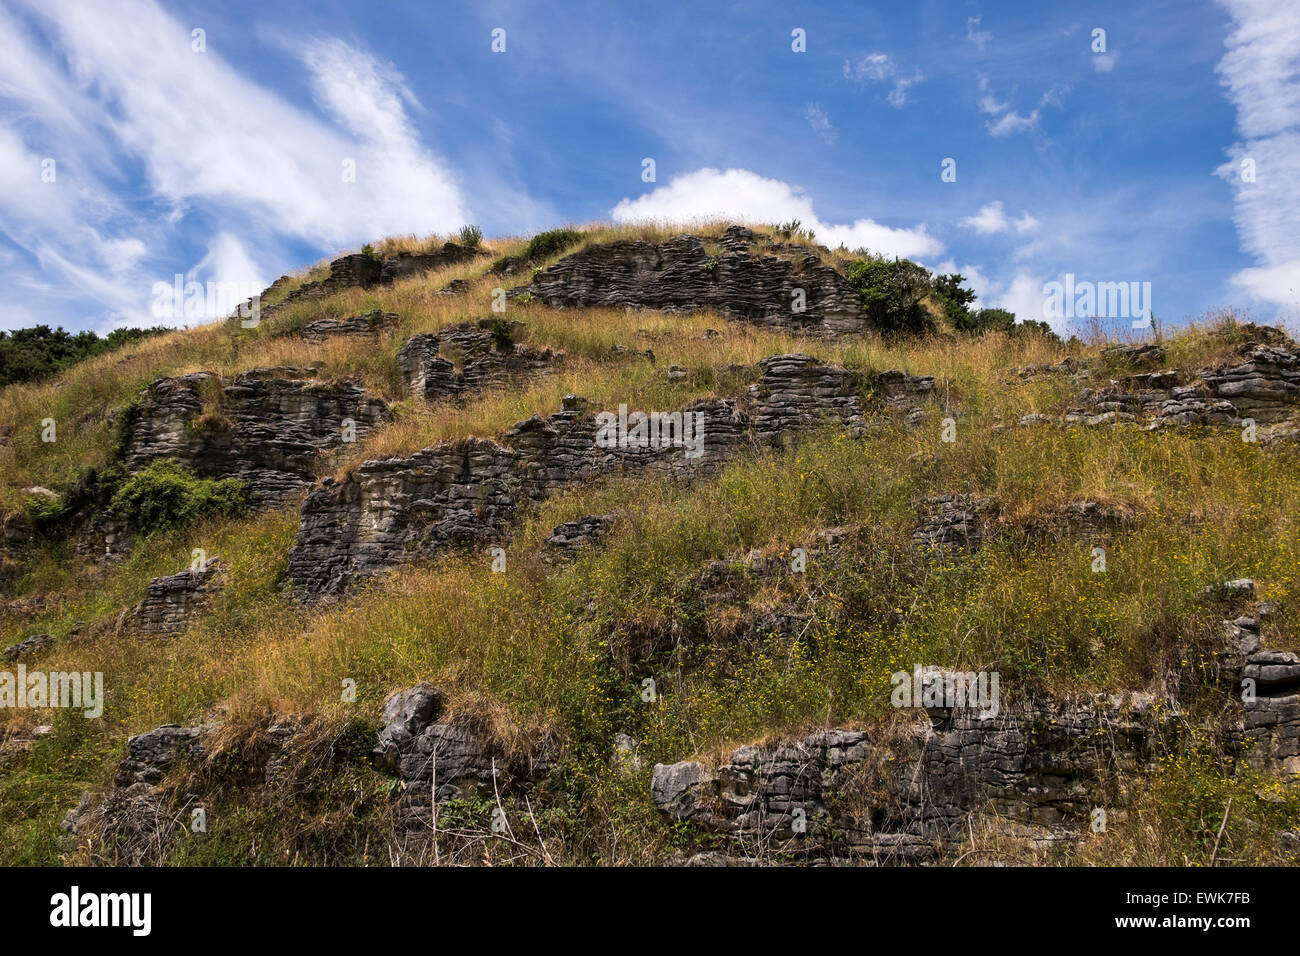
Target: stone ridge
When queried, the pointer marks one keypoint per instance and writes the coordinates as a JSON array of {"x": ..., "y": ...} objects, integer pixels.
[
  {"x": 484, "y": 362},
  {"x": 269, "y": 426},
  {"x": 357, "y": 270},
  {"x": 679, "y": 275},
  {"x": 169, "y": 601},
  {"x": 896, "y": 796},
  {"x": 1264, "y": 386},
  {"x": 396, "y": 510}
]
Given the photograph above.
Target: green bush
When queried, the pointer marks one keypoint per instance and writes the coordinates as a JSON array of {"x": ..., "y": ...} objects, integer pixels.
[
  {"x": 546, "y": 244},
  {"x": 471, "y": 236},
  {"x": 165, "y": 495},
  {"x": 892, "y": 293}
]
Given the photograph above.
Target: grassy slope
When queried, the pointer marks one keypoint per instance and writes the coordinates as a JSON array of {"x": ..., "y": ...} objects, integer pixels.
[{"x": 537, "y": 649}]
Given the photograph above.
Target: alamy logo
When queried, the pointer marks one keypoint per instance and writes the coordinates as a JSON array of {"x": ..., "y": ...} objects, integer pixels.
[
  {"x": 1105, "y": 300},
  {"x": 205, "y": 302},
  {"x": 76, "y": 690},
  {"x": 654, "y": 430},
  {"x": 103, "y": 909},
  {"x": 935, "y": 688}
]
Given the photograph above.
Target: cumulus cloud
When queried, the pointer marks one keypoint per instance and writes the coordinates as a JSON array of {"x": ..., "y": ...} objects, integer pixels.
[
  {"x": 881, "y": 68},
  {"x": 742, "y": 195},
  {"x": 1261, "y": 74},
  {"x": 992, "y": 219}
]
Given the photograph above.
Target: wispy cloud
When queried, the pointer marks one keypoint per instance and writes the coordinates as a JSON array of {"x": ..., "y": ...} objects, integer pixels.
[
  {"x": 820, "y": 122},
  {"x": 991, "y": 219},
  {"x": 1261, "y": 73},
  {"x": 119, "y": 85},
  {"x": 880, "y": 67},
  {"x": 977, "y": 36}
]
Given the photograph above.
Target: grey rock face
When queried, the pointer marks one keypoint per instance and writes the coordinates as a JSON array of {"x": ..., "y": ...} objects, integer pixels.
[
  {"x": 28, "y": 645},
  {"x": 361, "y": 271},
  {"x": 569, "y": 538},
  {"x": 481, "y": 361},
  {"x": 397, "y": 510},
  {"x": 679, "y": 275},
  {"x": 898, "y": 799},
  {"x": 368, "y": 325},
  {"x": 441, "y": 761},
  {"x": 953, "y": 522},
  {"x": 268, "y": 426},
  {"x": 1264, "y": 386},
  {"x": 150, "y": 755},
  {"x": 1268, "y": 686},
  {"x": 169, "y": 601}
]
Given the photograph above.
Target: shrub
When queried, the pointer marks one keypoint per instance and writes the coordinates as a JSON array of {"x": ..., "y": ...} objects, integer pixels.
[
  {"x": 892, "y": 293},
  {"x": 369, "y": 250},
  {"x": 471, "y": 236},
  {"x": 165, "y": 495},
  {"x": 546, "y": 244}
]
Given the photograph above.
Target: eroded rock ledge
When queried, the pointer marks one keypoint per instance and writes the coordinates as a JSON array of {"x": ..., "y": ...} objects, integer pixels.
[
  {"x": 467, "y": 358},
  {"x": 679, "y": 275},
  {"x": 267, "y": 426},
  {"x": 396, "y": 510}
]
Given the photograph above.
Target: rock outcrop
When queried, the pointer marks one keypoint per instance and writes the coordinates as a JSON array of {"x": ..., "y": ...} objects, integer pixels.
[
  {"x": 396, "y": 510},
  {"x": 369, "y": 325},
  {"x": 170, "y": 601},
  {"x": 900, "y": 795},
  {"x": 268, "y": 427},
  {"x": 26, "y": 647},
  {"x": 679, "y": 275},
  {"x": 441, "y": 761},
  {"x": 1263, "y": 386},
  {"x": 467, "y": 358},
  {"x": 571, "y": 537},
  {"x": 358, "y": 270}
]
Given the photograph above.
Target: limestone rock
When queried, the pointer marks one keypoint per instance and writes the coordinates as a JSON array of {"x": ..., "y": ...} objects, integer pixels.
[
  {"x": 679, "y": 275},
  {"x": 169, "y": 601},
  {"x": 28, "y": 645},
  {"x": 368, "y": 325}
]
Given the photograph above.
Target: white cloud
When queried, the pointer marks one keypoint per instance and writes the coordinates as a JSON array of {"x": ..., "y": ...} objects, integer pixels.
[
  {"x": 1105, "y": 62},
  {"x": 881, "y": 68},
  {"x": 1013, "y": 122},
  {"x": 820, "y": 122},
  {"x": 992, "y": 219},
  {"x": 740, "y": 194},
  {"x": 975, "y": 34},
  {"x": 121, "y": 88},
  {"x": 1261, "y": 73}
]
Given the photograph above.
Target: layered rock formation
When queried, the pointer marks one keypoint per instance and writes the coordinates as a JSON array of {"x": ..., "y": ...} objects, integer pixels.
[
  {"x": 268, "y": 427},
  {"x": 679, "y": 275},
  {"x": 358, "y": 270},
  {"x": 169, "y": 601},
  {"x": 481, "y": 360},
  {"x": 1263, "y": 386},
  {"x": 392, "y": 511},
  {"x": 369, "y": 325},
  {"x": 441, "y": 761},
  {"x": 569, "y": 538},
  {"x": 898, "y": 796}
]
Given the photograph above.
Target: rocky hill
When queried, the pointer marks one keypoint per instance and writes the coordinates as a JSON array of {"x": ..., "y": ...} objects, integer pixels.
[{"x": 626, "y": 546}]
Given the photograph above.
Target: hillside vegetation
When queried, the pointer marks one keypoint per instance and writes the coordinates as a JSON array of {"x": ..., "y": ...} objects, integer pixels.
[{"x": 555, "y": 655}]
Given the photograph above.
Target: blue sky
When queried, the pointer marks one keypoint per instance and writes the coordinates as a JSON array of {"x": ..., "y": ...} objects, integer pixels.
[{"x": 225, "y": 164}]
